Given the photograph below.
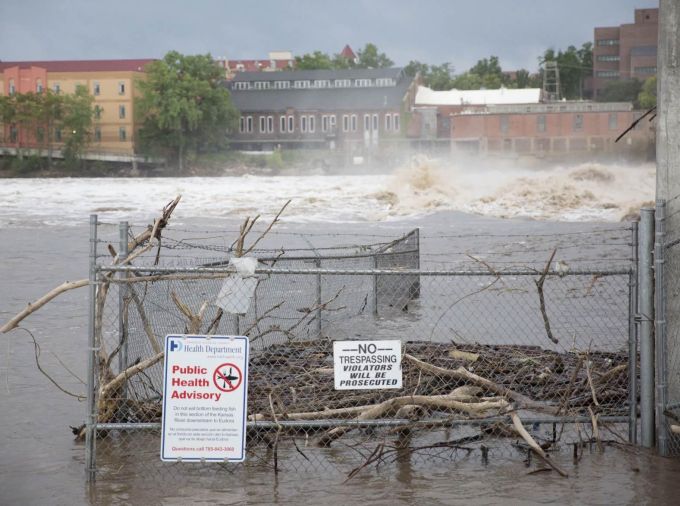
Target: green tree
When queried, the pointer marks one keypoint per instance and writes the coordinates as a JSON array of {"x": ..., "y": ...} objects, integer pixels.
[
  {"x": 467, "y": 81},
  {"x": 370, "y": 58},
  {"x": 184, "y": 106},
  {"x": 440, "y": 77},
  {"x": 77, "y": 120},
  {"x": 626, "y": 90},
  {"x": 414, "y": 67},
  {"x": 647, "y": 97},
  {"x": 313, "y": 61}
]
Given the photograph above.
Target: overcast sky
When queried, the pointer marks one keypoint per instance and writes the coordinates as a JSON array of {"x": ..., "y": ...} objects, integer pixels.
[{"x": 432, "y": 31}]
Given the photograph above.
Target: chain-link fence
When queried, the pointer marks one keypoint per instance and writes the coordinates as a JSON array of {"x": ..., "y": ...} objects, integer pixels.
[{"x": 485, "y": 351}]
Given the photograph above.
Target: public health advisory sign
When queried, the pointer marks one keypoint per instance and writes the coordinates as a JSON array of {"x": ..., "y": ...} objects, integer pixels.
[
  {"x": 364, "y": 365},
  {"x": 205, "y": 398}
]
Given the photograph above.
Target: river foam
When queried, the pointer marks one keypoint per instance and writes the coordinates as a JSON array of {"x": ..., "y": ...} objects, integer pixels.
[{"x": 584, "y": 192}]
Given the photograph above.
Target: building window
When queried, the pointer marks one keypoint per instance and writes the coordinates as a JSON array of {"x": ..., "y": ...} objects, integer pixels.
[
  {"x": 322, "y": 83},
  {"x": 263, "y": 127},
  {"x": 242, "y": 86},
  {"x": 40, "y": 134},
  {"x": 375, "y": 122},
  {"x": 607, "y": 74},
  {"x": 39, "y": 86},
  {"x": 388, "y": 122},
  {"x": 608, "y": 42},
  {"x": 121, "y": 88},
  {"x": 270, "y": 124},
  {"x": 97, "y": 134},
  {"x": 56, "y": 87},
  {"x": 301, "y": 84},
  {"x": 367, "y": 122},
  {"x": 291, "y": 124},
  {"x": 331, "y": 122},
  {"x": 644, "y": 70},
  {"x": 397, "y": 126},
  {"x": 312, "y": 124},
  {"x": 241, "y": 124},
  {"x": 57, "y": 134},
  {"x": 96, "y": 89},
  {"x": 504, "y": 124},
  {"x": 540, "y": 123},
  {"x": 342, "y": 83},
  {"x": 13, "y": 133},
  {"x": 121, "y": 111},
  {"x": 97, "y": 112},
  {"x": 282, "y": 124},
  {"x": 249, "y": 124},
  {"x": 608, "y": 57},
  {"x": 281, "y": 85},
  {"x": 345, "y": 123},
  {"x": 578, "y": 122},
  {"x": 362, "y": 83},
  {"x": 12, "y": 87},
  {"x": 303, "y": 124},
  {"x": 384, "y": 82},
  {"x": 324, "y": 123},
  {"x": 613, "y": 121},
  {"x": 261, "y": 85},
  {"x": 122, "y": 134},
  {"x": 354, "y": 122}
]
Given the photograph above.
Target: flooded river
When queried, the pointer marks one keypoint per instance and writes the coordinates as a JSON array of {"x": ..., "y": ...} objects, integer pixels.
[{"x": 44, "y": 241}]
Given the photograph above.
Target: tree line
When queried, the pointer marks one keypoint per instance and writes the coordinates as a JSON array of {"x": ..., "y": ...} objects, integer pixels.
[{"x": 47, "y": 117}]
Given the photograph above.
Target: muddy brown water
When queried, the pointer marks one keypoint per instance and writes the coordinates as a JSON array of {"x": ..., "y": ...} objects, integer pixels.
[{"x": 40, "y": 463}]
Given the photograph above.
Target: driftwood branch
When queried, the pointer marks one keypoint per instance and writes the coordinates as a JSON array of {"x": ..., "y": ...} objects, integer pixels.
[
  {"x": 541, "y": 298},
  {"x": 463, "y": 374},
  {"x": 391, "y": 406},
  {"x": 34, "y": 306},
  {"x": 519, "y": 428}
]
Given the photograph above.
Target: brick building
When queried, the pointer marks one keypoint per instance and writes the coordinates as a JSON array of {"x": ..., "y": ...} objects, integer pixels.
[
  {"x": 434, "y": 110},
  {"x": 549, "y": 129},
  {"x": 324, "y": 108},
  {"x": 626, "y": 51},
  {"x": 112, "y": 84}
]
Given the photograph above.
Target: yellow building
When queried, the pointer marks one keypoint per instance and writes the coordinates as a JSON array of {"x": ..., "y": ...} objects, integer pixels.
[{"x": 112, "y": 83}]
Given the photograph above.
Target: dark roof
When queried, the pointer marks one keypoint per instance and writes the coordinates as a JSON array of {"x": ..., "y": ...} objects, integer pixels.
[
  {"x": 322, "y": 99},
  {"x": 81, "y": 65},
  {"x": 304, "y": 75}
]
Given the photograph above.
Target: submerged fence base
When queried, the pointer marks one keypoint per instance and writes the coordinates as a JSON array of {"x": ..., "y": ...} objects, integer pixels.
[{"x": 558, "y": 348}]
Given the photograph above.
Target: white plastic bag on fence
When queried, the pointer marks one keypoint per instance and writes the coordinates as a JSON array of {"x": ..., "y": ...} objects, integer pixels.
[{"x": 238, "y": 288}]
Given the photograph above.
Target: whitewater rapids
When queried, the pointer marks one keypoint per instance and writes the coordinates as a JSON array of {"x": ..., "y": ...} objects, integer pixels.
[{"x": 585, "y": 192}]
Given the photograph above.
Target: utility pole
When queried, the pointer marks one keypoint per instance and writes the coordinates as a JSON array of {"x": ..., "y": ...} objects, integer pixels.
[
  {"x": 668, "y": 101},
  {"x": 667, "y": 253}
]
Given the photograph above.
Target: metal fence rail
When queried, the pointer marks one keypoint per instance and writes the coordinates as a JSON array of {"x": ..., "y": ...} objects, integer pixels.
[{"x": 455, "y": 326}]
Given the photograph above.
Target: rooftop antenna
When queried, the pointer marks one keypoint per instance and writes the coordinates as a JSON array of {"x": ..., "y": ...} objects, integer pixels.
[{"x": 551, "y": 81}]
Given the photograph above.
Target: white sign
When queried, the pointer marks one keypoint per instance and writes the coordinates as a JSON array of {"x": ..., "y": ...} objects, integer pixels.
[
  {"x": 364, "y": 365},
  {"x": 205, "y": 394}
]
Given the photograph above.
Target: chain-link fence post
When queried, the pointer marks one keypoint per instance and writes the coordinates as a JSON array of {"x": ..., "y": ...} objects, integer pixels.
[
  {"x": 317, "y": 263},
  {"x": 375, "y": 287},
  {"x": 633, "y": 337},
  {"x": 660, "y": 327},
  {"x": 91, "y": 420},
  {"x": 122, "y": 294},
  {"x": 646, "y": 308}
]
